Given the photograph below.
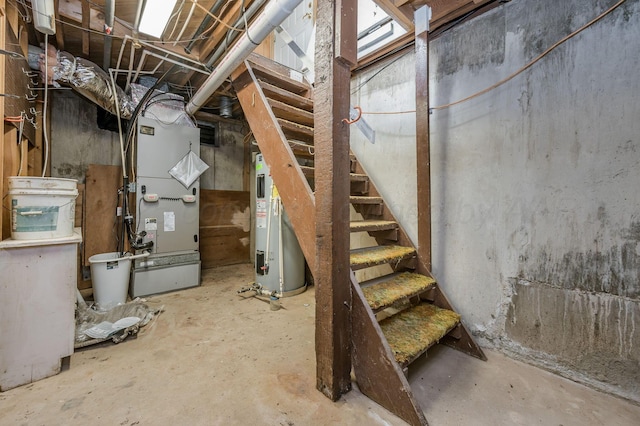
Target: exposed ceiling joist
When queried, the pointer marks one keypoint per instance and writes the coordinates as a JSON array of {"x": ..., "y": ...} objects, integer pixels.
[{"x": 398, "y": 15}]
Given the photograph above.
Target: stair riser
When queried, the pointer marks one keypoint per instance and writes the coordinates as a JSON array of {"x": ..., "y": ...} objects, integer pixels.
[
  {"x": 361, "y": 187},
  {"x": 387, "y": 235},
  {"x": 396, "y": 265},
  {"x": 369, "y": 210}
]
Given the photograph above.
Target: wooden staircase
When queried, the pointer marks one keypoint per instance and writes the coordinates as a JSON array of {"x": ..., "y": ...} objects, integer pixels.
[{"x": 395, "y": 318}]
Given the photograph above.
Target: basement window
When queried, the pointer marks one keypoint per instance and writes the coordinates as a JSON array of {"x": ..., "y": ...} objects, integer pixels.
[{"x": 375, "y": 28}]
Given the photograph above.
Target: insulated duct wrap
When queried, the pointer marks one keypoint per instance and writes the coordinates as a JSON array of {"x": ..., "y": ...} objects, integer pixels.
[{"x": 87, "y": 79}]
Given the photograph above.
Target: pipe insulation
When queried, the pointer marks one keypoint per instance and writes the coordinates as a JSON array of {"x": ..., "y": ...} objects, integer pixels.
[{"x": 275, "y": 12}]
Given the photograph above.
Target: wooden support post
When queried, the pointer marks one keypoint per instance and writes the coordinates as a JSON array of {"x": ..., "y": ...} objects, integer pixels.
[
  {"x": 3, "y": 32},
  {"x": 59, "y": 28},
  {"x": 421, "y": 20},
  {"x": 335, "y": 53},
  {"x": 86, "y": 23}
]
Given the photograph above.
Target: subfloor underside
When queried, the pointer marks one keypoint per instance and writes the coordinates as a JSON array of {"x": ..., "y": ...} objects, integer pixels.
[{"x": 215, "y": 358}]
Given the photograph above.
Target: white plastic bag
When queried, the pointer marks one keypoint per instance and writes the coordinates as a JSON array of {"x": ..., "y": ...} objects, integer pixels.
[{"x": 189, "y": 169}]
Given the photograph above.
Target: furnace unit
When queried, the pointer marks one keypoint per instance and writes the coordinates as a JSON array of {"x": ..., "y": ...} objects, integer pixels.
[{"x": 167, "y": 211}]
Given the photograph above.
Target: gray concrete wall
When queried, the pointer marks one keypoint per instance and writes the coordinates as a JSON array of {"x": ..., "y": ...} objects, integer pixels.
[
  {"x": 535, "y": 204},
  {"x": 76, "y": 142}
]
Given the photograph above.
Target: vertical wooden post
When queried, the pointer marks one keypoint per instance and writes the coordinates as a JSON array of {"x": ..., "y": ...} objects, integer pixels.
[
  {"x": 3, "y": 32},
  {"x": 335, "y": 53},
  {"x": 423, "y": 161}
]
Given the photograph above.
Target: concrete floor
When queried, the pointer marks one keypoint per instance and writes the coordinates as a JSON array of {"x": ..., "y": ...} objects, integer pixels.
[{"x": 214, "y": 358}]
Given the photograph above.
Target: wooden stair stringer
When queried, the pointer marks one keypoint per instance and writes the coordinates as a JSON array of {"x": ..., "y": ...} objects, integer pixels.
[
  {"x": 287, "y": 175},
  {"x": 464, "y": 341},
  {"x": 378, "y": 374}
]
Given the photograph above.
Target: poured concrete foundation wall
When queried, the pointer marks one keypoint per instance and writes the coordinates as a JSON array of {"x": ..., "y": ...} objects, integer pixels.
[
  {"x": 76, "y": 142},
  {"x": 535, "y": 203}
]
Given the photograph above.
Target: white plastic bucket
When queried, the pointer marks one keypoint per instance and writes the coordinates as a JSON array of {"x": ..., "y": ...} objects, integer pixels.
[
  {"x": 110, "y": 277},
  {"x": 42, "y": 208}
]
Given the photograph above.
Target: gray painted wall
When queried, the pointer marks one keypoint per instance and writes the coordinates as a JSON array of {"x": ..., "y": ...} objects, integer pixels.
[
  {"x": 535, "y": 203},
  {"x": 76, "y": 142}
]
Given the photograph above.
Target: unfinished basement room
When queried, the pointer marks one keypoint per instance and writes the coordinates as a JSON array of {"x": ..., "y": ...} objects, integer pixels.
[{"x": 454, "y": 241}]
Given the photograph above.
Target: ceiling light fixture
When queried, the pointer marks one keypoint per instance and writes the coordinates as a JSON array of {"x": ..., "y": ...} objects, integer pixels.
[{"x": 155, "y": 16}]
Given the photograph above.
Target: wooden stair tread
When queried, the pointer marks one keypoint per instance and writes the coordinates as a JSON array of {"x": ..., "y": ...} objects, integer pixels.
[
  {"x": 397, "y": 287},
  {"x": 279, "y": 94},
  {"x": 308, "y": 171},
  {"x": 377, "y": 255},
  {"x": 354, "y": 177},
  {"x": 358, "y": 177},
  {"x": 356, "y": 199},
  {"x": 372, "y": 225},
  {"x": 291, "y": 113},
  {"x": 283, "y": 81},
  {"x": 301, "y": 148},
  {"x": 411, "y": 332},
  {"x": 296, "y": 131}
]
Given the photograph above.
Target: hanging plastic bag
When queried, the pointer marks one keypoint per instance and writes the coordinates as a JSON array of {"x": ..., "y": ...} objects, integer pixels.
[{"x": 189, "y": 169}]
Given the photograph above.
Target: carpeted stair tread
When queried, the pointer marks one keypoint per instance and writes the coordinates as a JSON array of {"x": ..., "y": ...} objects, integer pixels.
[
  {"x": 377, "y": 255},
  {"x": 398, "y": 287},
  {"x": 411, "y": 332}
]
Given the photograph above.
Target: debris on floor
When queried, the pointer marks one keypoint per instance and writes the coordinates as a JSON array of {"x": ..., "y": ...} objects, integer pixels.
[{"x": 116, "y": 324}]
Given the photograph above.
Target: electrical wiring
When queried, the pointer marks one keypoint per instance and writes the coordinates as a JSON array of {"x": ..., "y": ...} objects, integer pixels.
[
  {"x": 361, "y": 85},
  {"x": 24, "y": 16},
  {"x": 411, "y": 111},
  {"x": 45, "y": 106},
  {"x": 177, "y": 16},
  {"x": 20, "y": 130},
  {"x": 532, "y": 62},
  {"x": 150, "y": 41},
  {"x": 220, "y": 21}
]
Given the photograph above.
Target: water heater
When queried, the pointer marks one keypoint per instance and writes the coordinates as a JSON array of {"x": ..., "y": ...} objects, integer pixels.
[{"x": 278, "y": 258}]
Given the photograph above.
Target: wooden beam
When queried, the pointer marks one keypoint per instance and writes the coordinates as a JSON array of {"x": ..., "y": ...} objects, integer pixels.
[
  {"x": 3, "y": 32},
  {"x": 220, "y": 31},
  {"x": 422, "y": 135},
  {"x": 11, "y": 164},
  {"x": 205, "y": 49},
  {"x": 398, "y": 15},
  {"x": 336, "y": 52},
  {"x": 13, "y": 18},
  {"x": 59, "y": 27},
  {"x": 86, "y": 25}
]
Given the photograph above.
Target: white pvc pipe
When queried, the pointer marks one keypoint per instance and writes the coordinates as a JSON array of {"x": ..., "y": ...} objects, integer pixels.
[
  {"x": 186, "y": 22},
  {"x": 137, "y": 256},
  {"x": 266, "y": 250},
  {"x": 280, "y": 248},
  {"x": 275, "y": 12}
]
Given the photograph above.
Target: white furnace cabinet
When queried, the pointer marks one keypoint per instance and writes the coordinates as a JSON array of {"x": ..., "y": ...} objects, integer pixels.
[
  {"x": 167, "y": 212},
  {"x": 37, "y": 300}
]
